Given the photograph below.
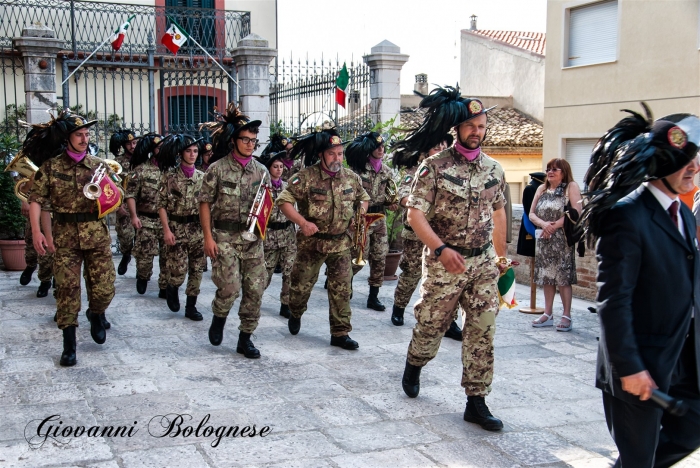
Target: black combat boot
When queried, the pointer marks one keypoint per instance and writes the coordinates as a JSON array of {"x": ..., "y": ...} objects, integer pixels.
[
  {"x": 246, "y": 347},
  {"x": 397, "y": 316},
  {"x": 411, "y": 380},
  {"x": 43, "y": 290},
  {"x": 216, "y": 330},
  {"x": 294, "y": 324},
  {"x": 105, "y": 323},
  {"x": 284, "y": 311},
  {"x": 325, "y": 285},
  {"x": 191, "y": 311},
  {"x": 454, "y": 332},
  {"x": 163, "y": 294},
  {"x": 172, "y": 298},
  {"x": 278, "y": 269},
  {"x": 26, "y": 276},
  {"x": 68, "y": 356},
  {"x": 373, "y": 301},
  {"x": 97, "y": 329},
  {"x": 124, "y": 264},
  {"x": 477, "y": 412},
  {"x": 344, "y": 342},
  {"x": 141, "y": 285}
]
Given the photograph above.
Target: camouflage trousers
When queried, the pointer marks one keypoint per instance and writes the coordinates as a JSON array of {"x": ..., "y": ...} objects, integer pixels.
[
  {"x": 411, "y": 265},
  {"x": 186, "y": 257},
  {"x": 378, "y": 244},
  {"x": 149, "y": 243},
  {"x": 99, "y": 277},
  {"x": 125, "y": 233},
  {"x": 305, "y": 273},
  {"x": 285, "y": 257},
  {"x": 239, "y": 266},
  {"x": 32, "y": 258},
  {"x": 476, "y": 291}
]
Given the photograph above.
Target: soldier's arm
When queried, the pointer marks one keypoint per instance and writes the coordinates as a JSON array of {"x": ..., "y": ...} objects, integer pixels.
[
  {"x": 499, "y": 232},
  {"x": 39, "y": 196},
  {"x": 207, "y": 195},
  {"x": 48, "y": 232}
]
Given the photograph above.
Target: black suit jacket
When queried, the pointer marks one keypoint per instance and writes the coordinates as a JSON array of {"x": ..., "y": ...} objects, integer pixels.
[{"x": 649, "y": 283}]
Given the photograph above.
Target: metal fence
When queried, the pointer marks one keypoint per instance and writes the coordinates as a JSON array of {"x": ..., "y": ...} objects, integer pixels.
[{"x": 302, "y": 97}]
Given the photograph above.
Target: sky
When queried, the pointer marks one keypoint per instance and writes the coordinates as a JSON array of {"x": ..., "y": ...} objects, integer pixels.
[{"x": 428, "y": 30}]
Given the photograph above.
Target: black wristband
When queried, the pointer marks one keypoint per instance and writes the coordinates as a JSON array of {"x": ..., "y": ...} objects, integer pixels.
[{"x": 439, "y": 250}]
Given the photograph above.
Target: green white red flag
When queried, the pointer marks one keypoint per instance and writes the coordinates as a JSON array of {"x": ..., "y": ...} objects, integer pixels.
[
  {"x": 117, "y": 38},
  {"x": 341, "y": 84},
  {"x": 174, "y": 38}
]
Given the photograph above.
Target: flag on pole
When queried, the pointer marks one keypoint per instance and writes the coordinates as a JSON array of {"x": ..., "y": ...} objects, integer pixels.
[
  {"x": 118, "y": 37},
  {"x": 174, "y": 38},
  {"x": 341, "y": 84},
  {"x": 265, "y": 212}
]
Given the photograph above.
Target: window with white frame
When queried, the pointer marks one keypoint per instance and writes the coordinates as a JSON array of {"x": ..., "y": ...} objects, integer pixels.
[
  {"x": 592, "y": 34},
  {"x": 578, "y": 155}
]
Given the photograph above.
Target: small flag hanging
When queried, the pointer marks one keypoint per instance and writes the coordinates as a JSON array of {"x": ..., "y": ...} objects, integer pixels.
[
  {"x": 341, "y": 84},
  {"x": 117, "y": 38},
  {"x": 174, "y": 38},
  {"x": 506, "y": 289},
  {"x": 265, "y": 212}
]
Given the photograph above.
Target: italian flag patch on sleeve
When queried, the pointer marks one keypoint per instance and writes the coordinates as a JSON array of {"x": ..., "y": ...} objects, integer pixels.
[
  {"x": 295, "y": 180},
  {"x": 407, "y": 179},
  {"x": 424, "y": 172}
]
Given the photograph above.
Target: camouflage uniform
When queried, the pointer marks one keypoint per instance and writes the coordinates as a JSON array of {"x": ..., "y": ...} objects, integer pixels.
[
  {"x": 374, "y": 184},
  {"x": 329, "y": 202},
  {"x": 411, "y": 259},
  {"x": 280, "y": 246},
  {"x": 142, "y": 186},
  {"x": 178, "y": 196},
  {"x": 58, "y": 184},
  {"x": 125, "y": 231},
  {"x": 288, "y": 172},
  {"x": 459, "y": 198},
  {"x": 230, "y": 189},
  {"x": 32, "y": 258}
]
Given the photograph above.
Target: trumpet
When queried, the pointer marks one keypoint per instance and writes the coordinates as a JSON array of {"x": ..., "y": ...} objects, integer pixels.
[
  {"x": 362, "y": 223},
  {"x": 392, "y": 193},
  {"x": 92, "y": 189},
  {"x": 22, "y": 165},
  {"x": 255, "y": 212}
]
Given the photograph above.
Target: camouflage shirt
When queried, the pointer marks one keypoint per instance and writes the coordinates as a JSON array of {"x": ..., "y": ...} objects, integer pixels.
[
  {"x": 375, "y": 183},
  {"x": 279, "y": 238},
  {"x": 287, "y": 173},
  {"x": 230, "y": 190},
  {"x": 459, "y": 196},
  {"x": 404, "y": 187},
  {"x": 179, "y": 194},
  {"x": 328, "y": 202},
  {"x": 58, "y": 187},
  {"x": 143, "y": 185},
  {"x": 125, "y": 162}
]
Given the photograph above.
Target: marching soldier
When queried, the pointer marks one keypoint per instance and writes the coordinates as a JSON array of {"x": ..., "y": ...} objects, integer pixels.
[
  {"x": 79, "y": 234},
  {"x": 206, "y": 150},
  {"x": 124, "y": 140},
  {"x": 280, "y": 143},
  {"x": 280, "y": 241},
  {"x": 326, "y": 195},
  {"x": 457, "y": 209},
  {"x": 364, "y": 157},
  {"x": 178, "y": 209},
  {"x": 229, "y": 189},
  {"x": 142, "y": 199}
]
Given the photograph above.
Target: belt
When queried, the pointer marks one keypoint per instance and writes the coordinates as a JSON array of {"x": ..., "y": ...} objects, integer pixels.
[
  {"x": 74, "y": 217},
  {"x": 471, "y": 252},
  {"x": 148, "y": 215},
  {"x": 184, "y": 219},
  {"x": 279, "y": 226},
  {"x": 409, "y": 228},
  {"x": 375, "y": 209},
  {"x": 230, "y": 226},
  {"x": 325, "y": 236}
]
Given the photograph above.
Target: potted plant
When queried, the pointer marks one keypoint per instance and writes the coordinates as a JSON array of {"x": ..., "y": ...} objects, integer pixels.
[{"x": 11, "y": 220}]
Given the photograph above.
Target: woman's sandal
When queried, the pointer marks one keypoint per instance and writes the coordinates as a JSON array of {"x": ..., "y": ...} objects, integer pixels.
[
  {"x": 547, "y": 323},
  {"x": 562, "y": 328}
]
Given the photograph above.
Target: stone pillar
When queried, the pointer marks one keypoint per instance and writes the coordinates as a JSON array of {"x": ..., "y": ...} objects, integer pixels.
[
  {"x": 39, "y": 48},
  {"x": 385, "y": 62},
  {"x": 252, "y": 58}
]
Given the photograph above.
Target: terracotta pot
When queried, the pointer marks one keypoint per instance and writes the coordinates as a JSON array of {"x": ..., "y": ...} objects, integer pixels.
[
  {"x": 392, "y": 264},
  {"x": 13, "y": 254}
]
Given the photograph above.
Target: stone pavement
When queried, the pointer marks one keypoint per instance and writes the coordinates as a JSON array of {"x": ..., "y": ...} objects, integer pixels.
[{"x": 326, "y": 407}]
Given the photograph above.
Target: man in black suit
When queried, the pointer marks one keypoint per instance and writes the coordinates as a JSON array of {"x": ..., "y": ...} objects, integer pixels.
[{"x": 649, "y": 277}]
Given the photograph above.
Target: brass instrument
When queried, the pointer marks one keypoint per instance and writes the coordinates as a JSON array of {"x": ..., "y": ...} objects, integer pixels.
[
  {"x": 22, "y": 165},
  {"x": 392, "y": 193},
  {"x": 255, "y": 212},
  {"x": 92, "y": 189},
  {"x": 362, "y": 223},
  {"x": 117, "y": 169}
]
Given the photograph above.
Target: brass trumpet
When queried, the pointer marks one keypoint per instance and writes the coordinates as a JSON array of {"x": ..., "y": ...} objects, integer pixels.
[
  {"x": 255, "y": 212},
  {"x": 92, "y": 189},
  {"x": 22, "y": 165},
  {"x": 362, "y": 223},
  {"x": 392, "y": 193}
]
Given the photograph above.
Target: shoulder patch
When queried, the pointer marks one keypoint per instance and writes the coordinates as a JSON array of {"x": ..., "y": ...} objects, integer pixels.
[
  {"x": 424, "y": 172},
  {"x": 295, "y": 180},
  {"x": 408, "y": 179}
]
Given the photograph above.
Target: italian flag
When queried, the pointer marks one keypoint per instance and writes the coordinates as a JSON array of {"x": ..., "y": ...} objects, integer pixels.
[
  {"x": 506, "y": 289},
  {"x": 174, "y": 37},
  {"x": 117, "y": 38},
  {"x": 341, "y": 84}
]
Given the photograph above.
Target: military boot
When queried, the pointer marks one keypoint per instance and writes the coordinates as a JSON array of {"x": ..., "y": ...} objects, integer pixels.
[
  {"x": 163, "y": 294},
  {"x": 43, "y": 290},
  {"x": 454, "y": 332},
  {"x": 344, "y": 342},
  {"x": 26, "y": 276},
  {"x": 105, "y": 323},
  {"x": 216, "y": 330},
  {"x": 172, "y": 298},
  {"x": 141, "y": 285},
  {"x": 97, "y": 329},
  {"x": 284, "y": 311},
  {"x": 124, "y": 264},
  {"x": 373, "y": 301},
  {"x": 411, "y": 380},
  {"x": 246, "y": 347},
  {"x": 191, "y": 311},
  {"x": 68, "y": 356},
  {"x": 397, "y": 316},
  {"x": 477, "y": 412}
]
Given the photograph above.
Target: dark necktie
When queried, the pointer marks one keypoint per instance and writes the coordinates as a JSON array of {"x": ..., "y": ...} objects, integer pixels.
[{"x": 673, "y": 211}]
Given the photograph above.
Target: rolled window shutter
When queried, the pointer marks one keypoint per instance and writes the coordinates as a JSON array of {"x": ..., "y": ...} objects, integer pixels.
[{"x": 593, "y": 34}]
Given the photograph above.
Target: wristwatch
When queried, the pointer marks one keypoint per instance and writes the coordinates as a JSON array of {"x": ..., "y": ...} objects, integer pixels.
[{"x": 439, "y": 250}]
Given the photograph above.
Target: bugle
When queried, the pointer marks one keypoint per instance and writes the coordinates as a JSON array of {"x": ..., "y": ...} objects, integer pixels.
[
  {"x": 255, "y": 212},
  {"x": 362, "y": 223}
]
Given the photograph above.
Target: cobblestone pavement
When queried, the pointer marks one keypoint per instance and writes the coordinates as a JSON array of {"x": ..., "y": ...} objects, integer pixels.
[{"x": 326, "y": 407}]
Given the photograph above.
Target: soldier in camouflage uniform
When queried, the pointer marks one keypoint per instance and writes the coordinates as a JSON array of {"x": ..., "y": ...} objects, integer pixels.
[
  {"x": 327, "y": 195},
  {"x": 227, "y": 196},
  {"x": 78, "y": 235},
  {"x": 457, "y": 208},
  {"x": 32, "y": 259},
  {"x": 178, "y": 208},
  {"x": 364, "y": 157},
  {"x": 122, "y": 145},
  {"x": 142, "y": 198},
  {"x": 280, "y": 240}
]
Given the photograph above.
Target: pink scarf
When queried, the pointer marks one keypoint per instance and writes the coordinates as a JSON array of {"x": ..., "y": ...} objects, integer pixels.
[
  {"x": 288, "y": 163},
  {"x": 77, "y": 157},
  {"x": 332, "y": 174},
  {"x": 188, "y": 171},
  {"x": 241, "y": 160},
  {"x": 376, "y": 164},
  {"x": 471, "y": 155},
  {"x": 277, "y": 184}
]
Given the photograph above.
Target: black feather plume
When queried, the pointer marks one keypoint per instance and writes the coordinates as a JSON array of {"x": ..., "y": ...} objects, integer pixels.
[
  {"x": 225, "y": 127},
  {"x": 358, "y": 151},
  {"x": 309, "y": 146},
  {"x": 144, "y": 149}
]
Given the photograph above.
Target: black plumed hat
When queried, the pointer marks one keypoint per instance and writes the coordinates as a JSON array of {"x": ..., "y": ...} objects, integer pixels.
[
  {"x": 269, "y": 158},
  {"x": 311, "y": 145},
  {"x": 119, "y": 139},
  {"x": 278, "y": 142},
  {"x": 226, "y": 127},
  {"x": 47, "y": 140},
  {"x": 144, "y": 148},
  {"x": 358, "y": 151},
  {"x": 171, "y": 150}
]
